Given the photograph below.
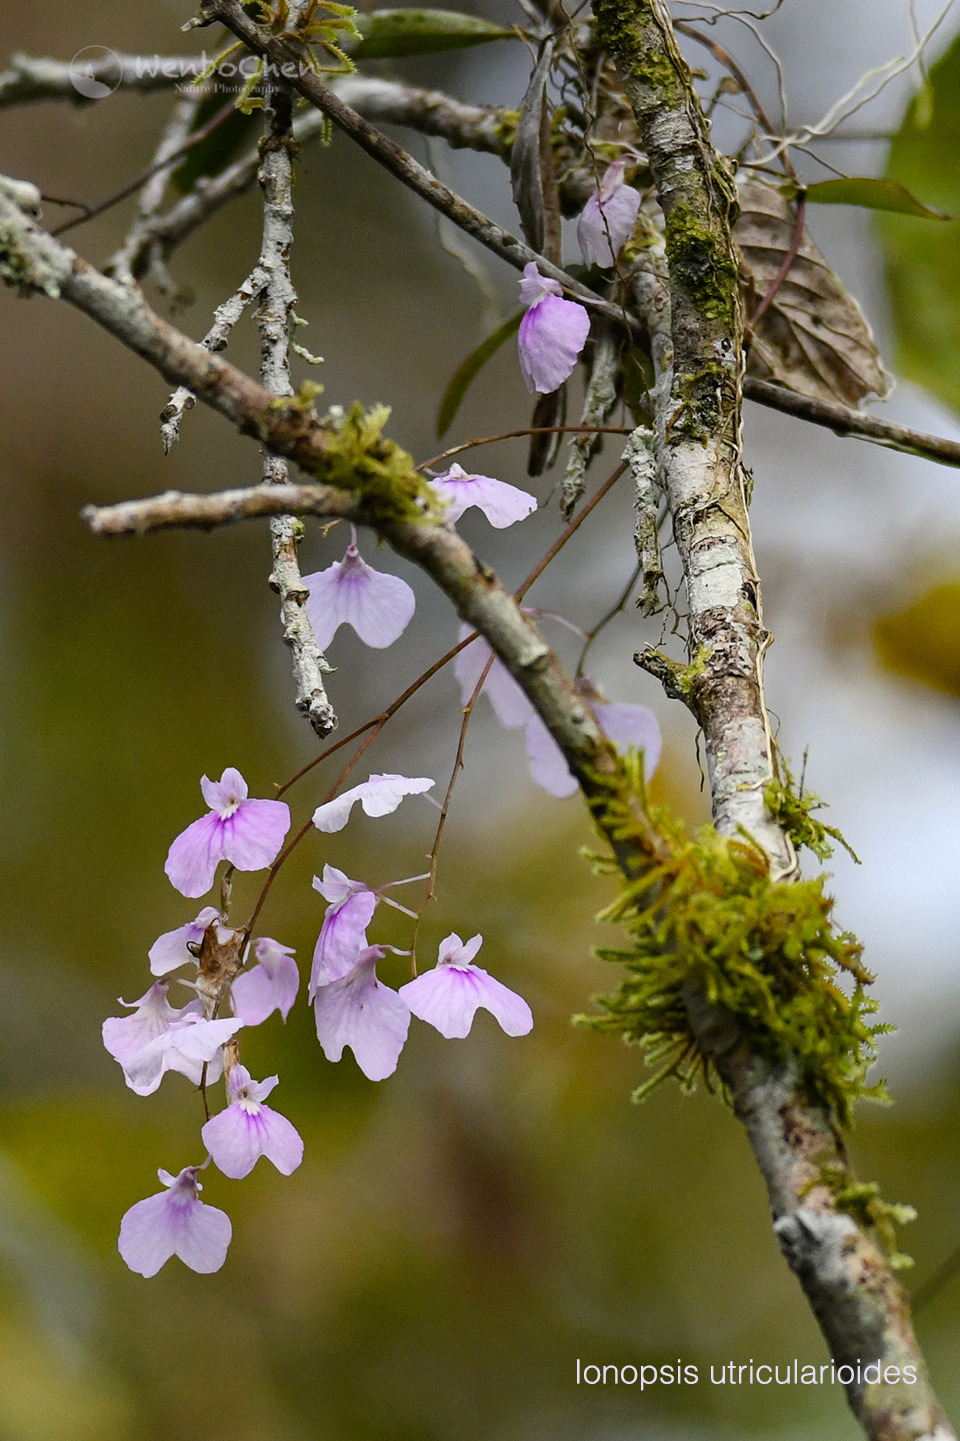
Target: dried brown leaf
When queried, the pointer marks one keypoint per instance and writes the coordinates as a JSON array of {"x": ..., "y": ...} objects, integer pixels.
[{"x": 812, "y": 338}]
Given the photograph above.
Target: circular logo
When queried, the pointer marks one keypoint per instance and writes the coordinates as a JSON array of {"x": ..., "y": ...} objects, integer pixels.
[{"x": 95, "y": 72}]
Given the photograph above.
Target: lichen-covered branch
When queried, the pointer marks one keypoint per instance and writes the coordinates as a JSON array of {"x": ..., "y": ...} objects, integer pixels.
[
  {"x": 827, "y": 1224},
  {"x": 276, "y": 318},
  {"x": 262, "y": 41},
  {"x": 699, "y": 421},
  {"x": 30, "y": 78},
  {"x": 138, "y": 242}
]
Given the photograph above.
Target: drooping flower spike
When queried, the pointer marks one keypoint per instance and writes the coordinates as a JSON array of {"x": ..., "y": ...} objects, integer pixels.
[
  {"x": 502, "y": 504},
  {"x": 607, "y": 220},
  {"x": 350, "y": 592},
  {"x": 271, "y": 985},
  {"x": 246, "y": 1129},
  {"x": 449, "y": 996},
  {"x": 247, "y": 833},
  {"x": 359, "y": 1011},
  {"x": 379, "y": 796},
  {"x": 175, "y": 1223},
  {"x": 552, "y": 333}
]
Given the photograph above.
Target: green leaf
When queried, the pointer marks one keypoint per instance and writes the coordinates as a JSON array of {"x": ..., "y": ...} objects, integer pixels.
[
  {"x": 388, "y": 33},
  {"x": 221, "y": 146},
  {"x": 471, "y": 367},
  {"x": 923, "y": 261},
  {"x": 872, "y": 193}
]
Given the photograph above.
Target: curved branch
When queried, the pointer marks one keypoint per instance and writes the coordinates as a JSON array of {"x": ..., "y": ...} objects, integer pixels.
[{"x": 33, "y": 260}]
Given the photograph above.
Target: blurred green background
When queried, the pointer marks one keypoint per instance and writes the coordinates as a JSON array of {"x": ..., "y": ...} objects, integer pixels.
[{"x": 459, "y": 1235}]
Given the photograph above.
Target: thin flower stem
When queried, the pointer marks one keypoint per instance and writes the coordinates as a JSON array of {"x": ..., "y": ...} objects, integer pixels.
[
  {"x": 445, "y": 808},
  {"x": 272, "y": 873},
  {"x": 379, "y": 720},
  {"x": 90, "y": 212},
  {"x": 376, "y": 725},
  {"x": 574, "y": 526},
  {"x": 591, "y": 635},
  {"x": 528, "y": 430},
  {"x": 784, "y": 270},
  {"x": 203, "y": 1091}
]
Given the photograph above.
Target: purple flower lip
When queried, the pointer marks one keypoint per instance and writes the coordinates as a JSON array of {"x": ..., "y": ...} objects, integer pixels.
[
  {"x": 449, "y": 996},
  {"x": 157, "y": 1038},
  {"x": 379, "y": 796},
  {"x": 171, "y": 950},
  {"x": 247, "y": 833},
  {"x": 247, "y": 1129},
  {"x": 607, "y": 220},
  {"x": 359, "y": 1011},
  {"x": 502, "y": 504},
  {"x": 271, "y": 985},
  {"x": 175, "y": 1223},
  {"x": 379, "y": 607},
  {"x": 552, "y": 333}
]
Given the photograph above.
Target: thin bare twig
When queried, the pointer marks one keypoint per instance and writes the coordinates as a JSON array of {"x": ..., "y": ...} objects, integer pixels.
[{"x": 276, "y": 318}]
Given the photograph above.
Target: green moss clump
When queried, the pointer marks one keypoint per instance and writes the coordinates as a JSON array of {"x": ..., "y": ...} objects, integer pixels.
[
  {"x": 862, "y": 1201},
  {"x": 708, "y": 916},
  {"x": 793, "y": 813},
  {"x": 361, "y": 459}
]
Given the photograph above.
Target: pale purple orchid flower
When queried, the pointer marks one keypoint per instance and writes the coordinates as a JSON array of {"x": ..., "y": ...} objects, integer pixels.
[
  {"x": 379, "y": 796},
  {"x": 449, "y": 996},
  {"x": 508, "y": 700},
  {"x": 175, "y": 1223},
  {"x": 158, "y": 1038},
  {"x": 361, "y": 1012},
  {"x": 552, "y": 333},
  {"x": 247, "y": 833},
  {"x": 343, "y": 934},
  {"x": 247, "y": 1129},
  {"x": 607, "y": 220},
  {"x": 350, "y": 592},
  {"x": 271, "y": 985},
  {"x": 625, "y": 725},
  {"x": 172, "y": 949},
  {"x": 502, "y": 504}
]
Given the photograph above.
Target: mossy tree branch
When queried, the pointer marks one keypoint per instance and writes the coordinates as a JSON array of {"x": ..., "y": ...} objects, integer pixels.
[{"x": 691, "y": 297}]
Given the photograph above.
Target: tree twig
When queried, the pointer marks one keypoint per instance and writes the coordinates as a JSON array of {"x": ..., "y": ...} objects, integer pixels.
[{"x": 276, "y": 317}]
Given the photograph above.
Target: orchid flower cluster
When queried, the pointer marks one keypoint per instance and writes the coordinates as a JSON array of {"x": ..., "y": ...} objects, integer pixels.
[
  {"x": 352, "y": 1006},
  {"x": 554, "y": 331}
]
